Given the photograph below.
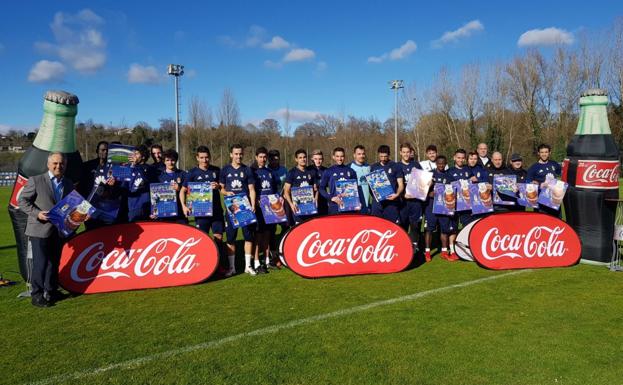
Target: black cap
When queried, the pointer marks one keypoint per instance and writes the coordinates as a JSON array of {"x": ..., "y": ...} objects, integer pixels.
[{"x": 515, "y": 157}]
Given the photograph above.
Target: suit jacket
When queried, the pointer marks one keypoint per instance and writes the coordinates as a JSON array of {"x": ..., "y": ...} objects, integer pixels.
[{"x": 37, "y": 196}]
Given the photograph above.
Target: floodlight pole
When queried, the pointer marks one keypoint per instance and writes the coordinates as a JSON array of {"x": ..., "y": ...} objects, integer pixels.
[
  {"x": 177, "y": 70},
  {"x": 396, "y": 85}
]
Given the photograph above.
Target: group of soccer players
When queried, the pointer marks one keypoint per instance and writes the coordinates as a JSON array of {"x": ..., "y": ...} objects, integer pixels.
[{"x": 129, "y": 200}]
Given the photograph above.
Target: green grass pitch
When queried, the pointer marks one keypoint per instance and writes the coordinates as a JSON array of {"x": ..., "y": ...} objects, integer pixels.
[{"x": 550, "y": 326}]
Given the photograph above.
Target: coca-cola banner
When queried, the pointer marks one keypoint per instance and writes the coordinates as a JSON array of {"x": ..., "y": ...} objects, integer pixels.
[
  {"x": 524, "y": 241},
  {"x": 597, "y": 174},
  {"x": 347, "y": 244},
  {"x": 140, "y": 255}
]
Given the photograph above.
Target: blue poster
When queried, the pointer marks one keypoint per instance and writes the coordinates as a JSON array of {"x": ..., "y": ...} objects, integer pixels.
[
  {"x": 505, "y": 184},
  {"x": 552, "y": 195},
  {"x": 106, "y": 203},
  {"x": 482, "y": 201},
  {"x": 239, "y": 210},
  {"x": 199, "y": 199},
  {"x": 163, "y": 200},
  {"x": 303, "y": 197},
  {"x": 380, "y": 185},
  {"x": 463, "y": 195},
  {"x": 273, "y": 209},
  {"x": 528, "y": 195},
  {"x": 68, "y": 214},
  {"x": 347, "y": 190},
  {"x": 119, "y": 161},
  {"x": 445, "y": 199}
]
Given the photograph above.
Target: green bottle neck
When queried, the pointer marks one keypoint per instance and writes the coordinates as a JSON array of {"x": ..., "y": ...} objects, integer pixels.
[
  {"x": 57, "y": 132},
  {"x": 593, "y": 116}
]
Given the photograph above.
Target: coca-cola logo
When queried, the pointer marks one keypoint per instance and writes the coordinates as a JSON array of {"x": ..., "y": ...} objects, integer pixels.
[
  {"x": 139, "y": 255},
  {"x": 598, "y": 174},
  {"x": 347, "y": 244},
  {"x": 524, "y": 240},
  {"x": 20, "y": 183}
]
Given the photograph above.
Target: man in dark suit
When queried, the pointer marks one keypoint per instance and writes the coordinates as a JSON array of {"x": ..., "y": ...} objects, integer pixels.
[
  {"x": 40, "y": 194},
  {"x": 90, "y": 169}
]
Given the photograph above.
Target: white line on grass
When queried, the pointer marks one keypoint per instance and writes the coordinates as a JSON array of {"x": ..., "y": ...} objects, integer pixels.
[{"x": 270, "y": 329}]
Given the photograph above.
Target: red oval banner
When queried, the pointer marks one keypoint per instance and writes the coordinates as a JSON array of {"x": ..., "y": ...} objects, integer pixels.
[
  {"x": 347, "y": 244},
  {"x": 524, "y": 241},
  {"x": 140, "y": 255}
]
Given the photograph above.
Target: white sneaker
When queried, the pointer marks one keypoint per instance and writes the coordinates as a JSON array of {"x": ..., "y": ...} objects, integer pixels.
[
  {"x": 249, "y": 270},
  {"x": 230, "y": 272}
]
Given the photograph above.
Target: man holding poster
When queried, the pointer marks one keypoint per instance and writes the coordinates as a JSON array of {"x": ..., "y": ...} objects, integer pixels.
[
  {"x": 411, "y": 211},
  {"x": 40, "y": 194},
  {"x": 236, "y": 178},
  {"x": 388, "y": 208},
  {"x": 301, "y": 177},
  {"x": 205, "y": 173}
]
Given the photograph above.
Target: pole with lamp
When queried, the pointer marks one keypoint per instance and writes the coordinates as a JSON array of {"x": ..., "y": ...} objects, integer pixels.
[
  {"x": 396, "y": 85},
  {"x": 176, "y": 70}
]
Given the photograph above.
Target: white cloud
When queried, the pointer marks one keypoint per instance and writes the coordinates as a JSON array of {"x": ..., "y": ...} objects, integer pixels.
[
  {"x": 299, "y": 54},
  {"x": 4, "y": 128},
  {"x": 546, "y": 36},
  {"x": 144, "y": 74},
  {"x": 403, "y": 51},
  {"x": 465, "y": 30},
  {"x": 276, "y": 43},
  {"x": 46, "y": 71},
  {"x": 254, "y": 37},
  {"x": 399, "y": 53},
  {"x": 79, "y": 42},
  {"x": 321, "y": 66},
  {"x": 273, "y": 64},
  {"x": 298, "y": 116},
  {"x": 377, "y": 59}
]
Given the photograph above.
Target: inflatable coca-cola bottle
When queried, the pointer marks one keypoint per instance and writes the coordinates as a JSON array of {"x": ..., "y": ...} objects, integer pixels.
[
  {"x": 57, "y": 133},
  {"x": 592, "y": 171}
]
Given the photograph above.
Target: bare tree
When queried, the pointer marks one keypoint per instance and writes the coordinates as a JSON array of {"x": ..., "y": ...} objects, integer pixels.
[
  {"x": 470, "y": 101},
  {"x": 445, "y": 103},
  {"x": 525, "y": 83},
  {"x": 408, "y": 102},
  {"x": 199, "y": 114},
  {"x": 614, "y": 73},
  {"x": 228, "y": 113}
]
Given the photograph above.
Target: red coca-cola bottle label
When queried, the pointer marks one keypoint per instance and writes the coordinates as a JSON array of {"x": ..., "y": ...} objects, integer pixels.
[
  {"x": 565, "y": 170},
  {"x": 20, "y": 182},
  {"x": 598, "y": 174}
]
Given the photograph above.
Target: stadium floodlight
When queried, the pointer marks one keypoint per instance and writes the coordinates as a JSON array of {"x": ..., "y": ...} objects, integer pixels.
[
  {"x": 396, "y": 85},
  {"x": 176, "y": 70}
]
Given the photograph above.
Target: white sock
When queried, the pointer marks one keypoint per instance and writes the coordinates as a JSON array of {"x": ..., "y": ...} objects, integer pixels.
[
  {"x": 257, "y": 263},
  {"x": 427, "y": 249},
  {"x": 247, "y": 260},
  {"x": 444, "y": 249},
  {"x": 452, "y": 249},
  {"x": 267, "y": 260},
  {"x": 232, "y": 261}
]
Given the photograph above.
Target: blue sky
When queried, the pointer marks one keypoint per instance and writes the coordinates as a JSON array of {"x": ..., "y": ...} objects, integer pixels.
[{"x": 329, "y": 57}]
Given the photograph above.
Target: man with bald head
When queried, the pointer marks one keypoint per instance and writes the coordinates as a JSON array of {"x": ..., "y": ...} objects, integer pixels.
[
  {"x": 483, "y": 155},
  {"x": 39, "y": 196},
  {"x": 498, "y": 168}
]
